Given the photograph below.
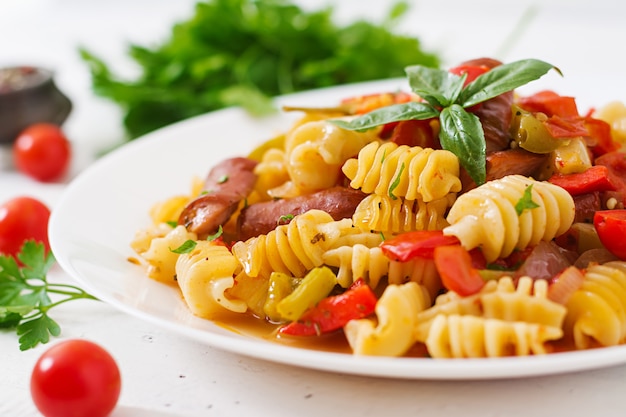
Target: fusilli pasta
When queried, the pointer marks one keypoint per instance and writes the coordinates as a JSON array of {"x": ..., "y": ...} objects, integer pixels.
[
  {"x": 393, "y": 333},
  {"x": 596, "y": 313},
  {"x": 381, "y": 213},
  {"x": 403, "y": 171},
  {"x": 204, "y": 275},
  {"x": 487, "y": 216}
]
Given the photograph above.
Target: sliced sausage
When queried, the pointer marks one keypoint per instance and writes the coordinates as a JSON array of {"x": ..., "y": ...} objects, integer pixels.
[
  {"x": 226, "y": 185},
  {"x": 261, "y": 218},
  {"x": 507, "y": 162}
]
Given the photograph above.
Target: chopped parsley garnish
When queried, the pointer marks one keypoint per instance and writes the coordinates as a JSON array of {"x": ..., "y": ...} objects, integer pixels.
[{"x": 526, "y": 202}]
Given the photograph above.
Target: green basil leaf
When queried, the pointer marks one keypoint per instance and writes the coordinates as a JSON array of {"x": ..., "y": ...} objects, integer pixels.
[
  {"x": 502, "y": 79},
  {"x": 438, "y": 87},
  {"x": 394, "y": 113},
  {"x": 462, "y": 134}
]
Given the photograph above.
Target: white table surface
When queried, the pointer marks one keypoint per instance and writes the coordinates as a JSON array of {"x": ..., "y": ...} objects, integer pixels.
[{"x": 165, "y": 374}]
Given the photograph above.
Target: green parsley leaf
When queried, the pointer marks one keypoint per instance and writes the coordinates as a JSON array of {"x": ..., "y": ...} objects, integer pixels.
[
  {"x": 37, "y": 330},
  {"x": 526, "y": 202},
  {"x": 172, "y": 224},
  {"x": 244, "y": 52},
  {"x": 186, "y": 247},
  {"x": 215, "y": 235},
  {"x": 395, "y": 183},
  {"x": 26, "y": 296},
  {"x": 285, "y": 218}
]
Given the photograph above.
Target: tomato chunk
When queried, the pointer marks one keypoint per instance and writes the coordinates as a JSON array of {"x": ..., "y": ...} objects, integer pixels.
[
  {"x": 420, "y": 243},
  {"x": 454, "y": 264},
  {"x": 332, "y": 313},
  {"x": 611, "y": 228}
]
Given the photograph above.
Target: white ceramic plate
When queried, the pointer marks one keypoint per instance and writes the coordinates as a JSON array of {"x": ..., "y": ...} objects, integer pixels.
[{"x": 97, "y": 216}]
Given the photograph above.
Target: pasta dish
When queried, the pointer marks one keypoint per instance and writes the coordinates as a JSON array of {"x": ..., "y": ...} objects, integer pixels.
[{"x": 458, "y": 218}]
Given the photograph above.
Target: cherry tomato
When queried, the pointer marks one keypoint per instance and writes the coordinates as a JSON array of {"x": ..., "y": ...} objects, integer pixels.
[
  {"x": 611, "y": 228},
  {"x": 21, "y": 219},
  {"x": 75, "y": 378},
  {"x": 42, "y": 151}
]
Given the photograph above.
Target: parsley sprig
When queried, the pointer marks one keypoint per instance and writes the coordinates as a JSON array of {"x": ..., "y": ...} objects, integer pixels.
[
  {"x": 446, "y": 97},
  {"x": 26, "y": 295}
]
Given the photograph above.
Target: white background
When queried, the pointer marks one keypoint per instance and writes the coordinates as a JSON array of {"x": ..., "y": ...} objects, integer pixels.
[{"x": 166, "y": 375}]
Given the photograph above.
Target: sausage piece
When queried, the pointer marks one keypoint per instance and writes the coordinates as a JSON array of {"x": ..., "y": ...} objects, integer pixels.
[
  {"x": 507, "y": 162},
  {"x": 226, "y": 185},
  {"x": 261, "y": 218}
]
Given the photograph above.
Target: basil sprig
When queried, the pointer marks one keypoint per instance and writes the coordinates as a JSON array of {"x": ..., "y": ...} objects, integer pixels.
[{"x": 445, "y": 97}]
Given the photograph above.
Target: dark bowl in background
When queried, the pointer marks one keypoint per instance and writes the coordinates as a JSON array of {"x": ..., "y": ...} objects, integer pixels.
[{"x": 29, "y": 95}]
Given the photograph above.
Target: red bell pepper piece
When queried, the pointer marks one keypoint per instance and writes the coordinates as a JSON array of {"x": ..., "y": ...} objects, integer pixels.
[
  {"x": 560, "y": 127},
  {"x": 611, "y": 228},
  {"x": 563, "y": 121},
  {"x": 421, "y": 243},
  {"x": 551, "y": 104},
  {"x": 366, "y": 103},
  {"x": 596, "y": 178},
  {"x": 454, "y": 264},
  {"x": 600, "y": 140},
  {"x": 616, "y": 163},
  {"x": 332, "y": 313}
]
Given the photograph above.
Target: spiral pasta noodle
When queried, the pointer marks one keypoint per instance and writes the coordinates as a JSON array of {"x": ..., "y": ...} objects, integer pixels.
[
  {"x": 393, "y": 334},
  {"x": 499, "y": 300},
  {"x": 271, "y": 172},
  {"x": 457, "y": 336},
  {"x": 528, "y": 302},
  {"x": 596, "y": 312},
  {"x": 204, "y": 275},
  {"x": 294, "y": 248},
  {"x": 381, "y": 213},
  {"x": 420, "y": 270},
  {"x": 486, "y": 216},
  {"x": 403, "y": 171},
  {"x": 320, "y": 146},
  {"x": 159, "y": 256},
  {"x": 448, "y": 304}
]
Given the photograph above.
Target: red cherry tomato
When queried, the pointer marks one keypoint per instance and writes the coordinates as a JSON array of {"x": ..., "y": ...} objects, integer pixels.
[
  {"x": 75, "y": 378},
  {"x": 42, "y": 151},
  {"x": 611, "y": 228},
  {"x": 21, "y": 219}
]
